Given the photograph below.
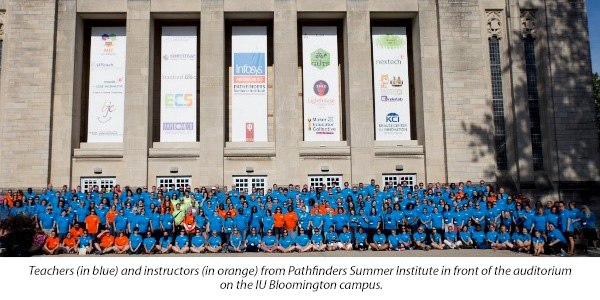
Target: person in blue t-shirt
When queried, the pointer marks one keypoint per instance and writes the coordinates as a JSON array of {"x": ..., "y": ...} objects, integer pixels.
[
  {"x": 345, "y": 239},
  {"x": 379, "y": 241},
  {"x": 198, "y": 242},
  {"x": 317, "y": 241},
  {"x": 331, "y": 239},
  {"x": 451, "y": 239},
  {"x": 480, "y": 239},
  {"x": 215, "y": 243},
  {"x": 464, "y": 238},
  {"x": 436, "y": 240},
  {"x": 393, "y": 241},
  {"x": 522, "y": 241},
  {"x": 302, "y": 242},
  {"x": 253, "y": 240},
  {"x": 504, "y": 241},
  {"x": 540, "y": 221},
  {"x": 538, "y": 242},
  {"x": 269, "y": 242},
  {"x": 85, "y": 241},
  {"x": 420, "y": 239},
  {"x": 492, "y": 235},
  {"x": 557, "y": 243},
  {"x": 135, "y": 242},
  {"x": 360, "y": 242},
  {"x": 63, "y": 224},
  {"x": 236, "y": 242},
  {"x": 285, "y": 244},
  {"x": 181, "y": 243},
  {"x": 165, "y": 243},
  {"x": 149, "y": 243}
]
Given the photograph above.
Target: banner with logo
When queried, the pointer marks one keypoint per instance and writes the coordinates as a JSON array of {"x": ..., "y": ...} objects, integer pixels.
[
  {"x": 178, "y": 84},
  {"x": 391, "y": 84},
  {"x": 107, "y": 85},
  {"x": 321, "y": 88},
  {"x": 249, "y": 84}
]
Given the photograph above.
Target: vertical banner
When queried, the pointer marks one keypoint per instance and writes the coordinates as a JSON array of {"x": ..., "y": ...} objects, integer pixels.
[
  {"x": 321, "y": 88},
  {"x": 107, "y": 85},
  {"x": 391, "y": 83},
  {"x": 249, "y": 84},
  {"x": 178, "y": 84}
]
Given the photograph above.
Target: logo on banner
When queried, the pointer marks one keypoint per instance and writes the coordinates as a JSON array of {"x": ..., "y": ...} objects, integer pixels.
[
  {"x": 108, "y": 40},
  {"x": 179, "y": 100},
  {"x": 249, "y": 132},
  {"x": 390, "y": 41},
  {"x": 179, "y": 56},
  {"x": 322, "y": 125},
  {"x": 249, "y": 68},
  {"x": 321, "y": 88},
  {"x": 106, "y": 112},
  {"x": 392, "y": 118},
  {"x": 181, "y": 126},
  {"x": 320, "y": 59}
]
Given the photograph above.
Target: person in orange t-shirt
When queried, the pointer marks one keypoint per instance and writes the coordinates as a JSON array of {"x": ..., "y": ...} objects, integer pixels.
[
  {"x": 76, "y": 231},
  {"x": 52, "y": 244},
  {"x": 315, "y": 210},
  {"x": 110, "y": 219},
  {"x": 69, "y": 243},
  {"x": 92, "y": 222},
  {"x": 279, "y": 222},
  {"x": 189, "y": 223},
  {"x": 291, "y": 222},
  {"x": 121, "y": 243},
  {"x": 106, "y": 243},
  {"x": 8, "y": 198}
]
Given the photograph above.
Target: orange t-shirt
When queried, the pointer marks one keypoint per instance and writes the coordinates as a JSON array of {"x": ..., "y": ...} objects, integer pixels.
[
  {"x": 76, "y": 233},
  {"x": 315, "y": 210},
  {"x": 91, "y": 223},
  {"x": 290, "y": 219},
  {"x": 189, "y": 221},
  {"x": 9, "y": 200},
  {"x": 121, "y": 241},
  {"x": 278, "y": 220},
  {"x": 107, "y": 241},
  {"x": 70, "y": 242},
  {"x": 110, "y": 216},
  {"x": 491, "y": 199},
  {"x": 52, "y": 243}
]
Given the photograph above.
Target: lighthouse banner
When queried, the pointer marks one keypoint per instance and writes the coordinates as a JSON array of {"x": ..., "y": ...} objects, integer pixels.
[
  {"x": 321, "y": 83},
  {"x": 391, "y": 84}
]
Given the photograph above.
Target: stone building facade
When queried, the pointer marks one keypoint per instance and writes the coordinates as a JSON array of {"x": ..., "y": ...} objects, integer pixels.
[{"x": 501, "y": 91}]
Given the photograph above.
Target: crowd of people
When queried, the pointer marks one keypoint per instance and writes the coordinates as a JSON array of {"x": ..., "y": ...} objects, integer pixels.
[{"x": 300, "y": 219}]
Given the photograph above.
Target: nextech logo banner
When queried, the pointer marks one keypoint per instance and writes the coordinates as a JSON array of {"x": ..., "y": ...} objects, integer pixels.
[
  {"x": 321, "y": 87},
  {"x": 178, "y": 84},
  {"x": 249, "y": 83},
  {"x": 107, "y": 85},
  {"x": 391, "y": 83}
]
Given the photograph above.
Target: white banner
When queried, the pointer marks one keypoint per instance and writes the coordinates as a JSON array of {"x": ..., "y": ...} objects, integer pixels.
[
  {"x": 107, "y": 85},
  {"x": 178, "y": 84},
  {"x": 321, "y": 88},
  {"x": 391, "y": 83},
  {"x": 249, "y": 84}
]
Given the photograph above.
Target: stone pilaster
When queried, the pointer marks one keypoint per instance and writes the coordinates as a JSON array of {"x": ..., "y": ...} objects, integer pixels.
[
  {"x": 287, "y": 132},
  {"x": 137, "y": 135}
]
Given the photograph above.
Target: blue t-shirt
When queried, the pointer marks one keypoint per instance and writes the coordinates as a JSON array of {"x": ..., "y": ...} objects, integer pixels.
[
  {"x": 317, "y": 239},
  {"x": 85, "y": 241},
  {"x": 492, "y": 236},
  {"x": 63, "y": 224},
  {"x": 167, "y": 221},
  {"x": 504, "y": 237},
  {"x": 361, "y": 238},
  {"x": 236, "y": 240},
  {"x": 269, "y": 240},
  {"x": 135, "y": 240},
  {"x": 538, "y": 240},
  {"x": 253, "y": 240},
  {"x": 345, "y": 237},
  {"x": 404, "y": 237},
  {"x": 464, "y": 236},
  {"x": 478, "y": 236},
  {"x": 181, "y": 241},
  {"x": 165, "y": 241},
  {"x": 216, "y": 223},
  {"x": 540, "y": 222},
  {"x": 419, "y": 236},
  {"x": 214, "y": 241},
  {"x": 451, "y": 236},
  {"x": 47, "y": 221},
  {"x": 302, "y": 240},
  {"x": 340, "y": 221},
  {"x": 379, "y": 239},
  {"x": 394, "y": 240},
  {"x": 555, "y": 234},
  {"x": 285, "y": 242},
  {"x": 198, "y": 241},
  {"x": 149, "y": 242},
  {"x": 331, "y": 237},
  {"x": 436, "y": 238}
]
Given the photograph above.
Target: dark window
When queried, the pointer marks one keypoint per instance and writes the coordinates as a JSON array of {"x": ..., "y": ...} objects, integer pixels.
[
  {"x": 534, "y": 105},
  {"x": 498, "y": 104}
]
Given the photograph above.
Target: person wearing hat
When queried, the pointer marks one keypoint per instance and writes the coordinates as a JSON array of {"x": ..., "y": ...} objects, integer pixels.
[
  {"x": 106, "y": 243},
  {"x": 46, "y": 221}
]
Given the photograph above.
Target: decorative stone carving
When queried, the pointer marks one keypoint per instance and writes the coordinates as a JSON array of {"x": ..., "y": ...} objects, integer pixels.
[
  {"x": 494, "y": 24},
  {"x": 528, "y": 24}
]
